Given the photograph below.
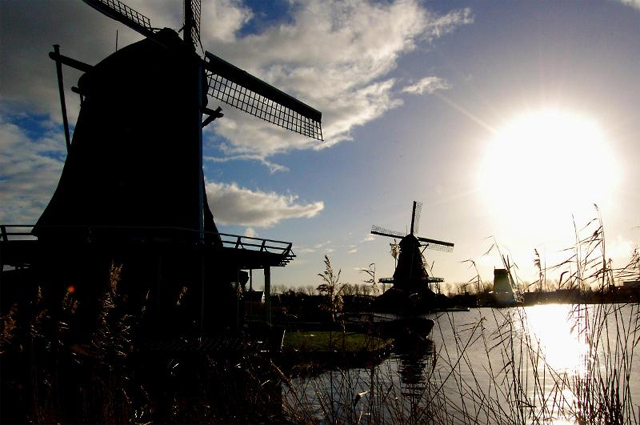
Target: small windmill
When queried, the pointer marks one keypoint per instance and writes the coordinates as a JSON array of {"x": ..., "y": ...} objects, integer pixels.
[
  {"x": 410, "y": 271},
  {"x": 136, "y": 156}
]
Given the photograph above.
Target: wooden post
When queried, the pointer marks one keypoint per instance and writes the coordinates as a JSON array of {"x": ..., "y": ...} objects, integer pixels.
[
  {"x": 251, "y": 292},
  {"x": 202, "y": 294},
  {"x": 237, "y": 296},
  {"x": 267, "y": 294},
  {"x": 63, "y": 103},
  {"x": 188, "y": 23}
]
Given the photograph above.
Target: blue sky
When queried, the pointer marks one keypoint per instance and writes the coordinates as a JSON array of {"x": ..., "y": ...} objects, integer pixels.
[{"x": 503, "y": 118}]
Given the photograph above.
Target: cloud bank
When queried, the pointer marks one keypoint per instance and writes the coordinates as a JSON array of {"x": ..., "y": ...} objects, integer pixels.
[
  {"x": 233, "y": 204},
  {"x": 30, "y": 166},
  {"x": 427, "y": 85},
  {"x": 632, "y": 3},
  {"x": 336, "y": 56}
]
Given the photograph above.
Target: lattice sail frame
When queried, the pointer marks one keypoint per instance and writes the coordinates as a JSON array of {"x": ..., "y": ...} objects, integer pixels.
[
  {"x": 119, "y": 11},
  {"x": 433, "y": 244},
  {"x": 436, "y": 245},
  {"x": 196, "y": 12},
  {"x": 416, "y": 218},
  {"x": 249, "y": 94},
  {"x": 377, "y": 230}
]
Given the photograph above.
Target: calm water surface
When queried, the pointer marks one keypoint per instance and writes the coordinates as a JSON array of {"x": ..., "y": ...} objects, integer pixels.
[
  {"x": 519, "y": 365},
  {"x": 536, "y": 354}
]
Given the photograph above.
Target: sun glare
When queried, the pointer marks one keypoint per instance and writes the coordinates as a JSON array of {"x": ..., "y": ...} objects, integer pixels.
[
  {"x": 544, "y": 163},
  {"x": 558, "y": 335}
]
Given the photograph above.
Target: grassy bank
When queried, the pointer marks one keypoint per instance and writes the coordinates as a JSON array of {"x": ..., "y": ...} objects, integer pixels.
[{"x": 333, "y": 341}]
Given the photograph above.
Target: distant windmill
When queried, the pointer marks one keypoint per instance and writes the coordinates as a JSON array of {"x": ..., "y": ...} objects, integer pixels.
[
  {"x": 410, "y": 271},
  {"x": 136, "y": 155}
]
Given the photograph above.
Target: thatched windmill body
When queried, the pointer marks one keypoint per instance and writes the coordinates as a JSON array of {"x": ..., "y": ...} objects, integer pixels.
[{"x": 136, "y": 156}]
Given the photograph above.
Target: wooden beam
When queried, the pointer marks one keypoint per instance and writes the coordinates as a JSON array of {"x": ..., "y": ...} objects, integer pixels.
[
  {"x": 70, "y": 62},
  {"x": 63, "y": 103},
  {"x": 267, "y": 294}
]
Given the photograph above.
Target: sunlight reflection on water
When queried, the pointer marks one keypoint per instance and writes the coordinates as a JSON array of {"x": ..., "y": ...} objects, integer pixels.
[
  {"x": 552, "y": 353},
  {"x": 559, "y": 338}
]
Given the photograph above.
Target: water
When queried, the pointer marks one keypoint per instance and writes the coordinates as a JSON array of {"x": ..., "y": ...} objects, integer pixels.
[{"x": 538, "y": 364}]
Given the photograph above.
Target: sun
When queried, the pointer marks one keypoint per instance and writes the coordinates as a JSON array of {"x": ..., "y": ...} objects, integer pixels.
[{"x": 545, "y": 163}]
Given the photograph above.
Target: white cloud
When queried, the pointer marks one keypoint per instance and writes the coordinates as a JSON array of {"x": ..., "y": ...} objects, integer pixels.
[
  {"x": 29, "y": 170},
  {"x": 632, "y": 3},
  {"x": 250, "y": 232},
  {"x": 337, "y": 57},
  {"x": 322, "y": 246},
  {"x": 272, "y": 166},
  {"x": 439, "y": 26},
  {"x": 369, "y": 238},
  {"x": 232, "y": 204},
  {"x": 222, "y": 19},
  {"x": 427, "y": 85}
]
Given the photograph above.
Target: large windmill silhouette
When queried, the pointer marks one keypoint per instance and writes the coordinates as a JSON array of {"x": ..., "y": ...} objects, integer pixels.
[
  {"x": 411, "y": 276},
  {"x": 136, "y": 155},
  {"x": 132, "y": 189}
]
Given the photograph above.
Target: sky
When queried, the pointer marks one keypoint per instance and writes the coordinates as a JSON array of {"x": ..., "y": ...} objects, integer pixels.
[{"x": 507, "y": 120}]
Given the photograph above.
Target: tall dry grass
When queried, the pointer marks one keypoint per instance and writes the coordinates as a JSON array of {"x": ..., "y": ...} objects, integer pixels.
[{"x": 51, "y": 373}]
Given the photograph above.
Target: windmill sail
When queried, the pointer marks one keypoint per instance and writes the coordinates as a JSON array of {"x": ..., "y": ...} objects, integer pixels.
[
  {"x": 416, "y": 240},
  {"x": 192, "y": 12},
  {"x": 436, "y": 244},
  {"x": 242, "y": 90},
  {"x": 377, "y": 230},
  {"x": 122, "y": 13},
  {"x": 415, "y": 219}
]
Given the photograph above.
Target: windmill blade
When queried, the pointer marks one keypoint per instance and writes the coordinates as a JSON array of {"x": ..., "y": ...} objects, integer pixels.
[
  {"x": 415, "y": 219},
  {"x": 119, "y": 11},
  {"x": 436, "y": 245},
  {"x": 242, "y": 90},
  {"x": 377, "y": 230},
  {"x": 192, "y": 12}
]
